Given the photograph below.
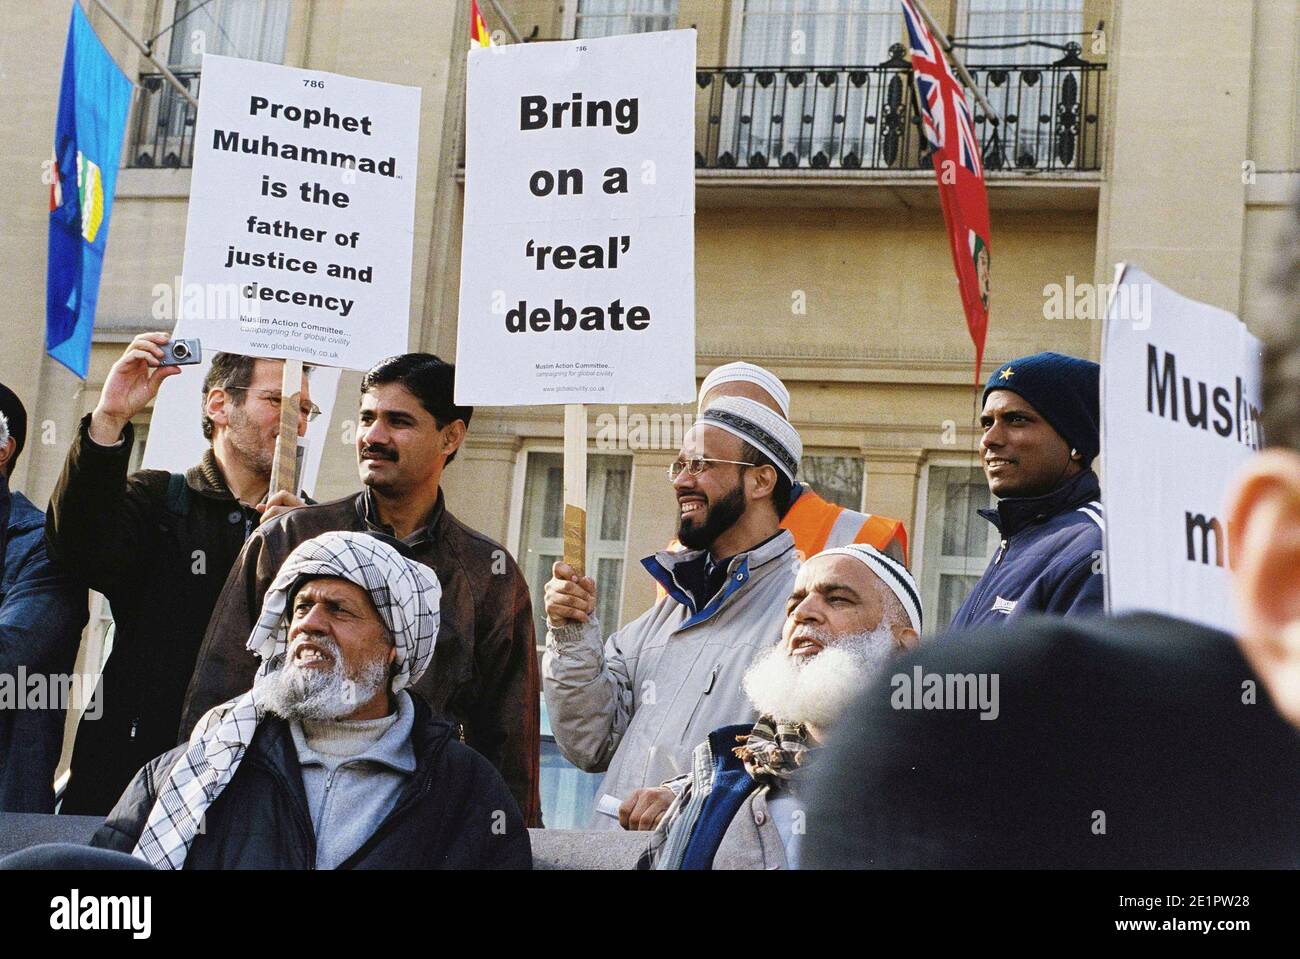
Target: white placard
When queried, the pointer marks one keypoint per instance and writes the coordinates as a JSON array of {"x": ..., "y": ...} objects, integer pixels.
[
  {"x": 301, "y": 214},
  {"x": 175, "y": 441},
  {"x": 577, "y": 264},
  {"x": 1180, "y": 403}
]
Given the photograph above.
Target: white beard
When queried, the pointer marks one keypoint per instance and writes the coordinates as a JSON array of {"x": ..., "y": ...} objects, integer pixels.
[
  {"x": 815, "y": 690},
  {"x": 296, "y": 692}
]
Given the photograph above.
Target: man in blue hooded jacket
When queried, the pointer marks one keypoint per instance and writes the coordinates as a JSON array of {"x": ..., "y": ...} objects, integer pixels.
[
  {"x": 42, "y": 611},
  {"x": 1041, "y": 434}
]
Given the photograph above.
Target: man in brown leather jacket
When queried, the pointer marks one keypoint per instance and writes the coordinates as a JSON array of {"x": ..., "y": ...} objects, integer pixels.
[{"x": 484, "y": 673}]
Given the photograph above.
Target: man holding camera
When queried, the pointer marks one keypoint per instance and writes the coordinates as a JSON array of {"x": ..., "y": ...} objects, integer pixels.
[{"x": 159, "y": 545}]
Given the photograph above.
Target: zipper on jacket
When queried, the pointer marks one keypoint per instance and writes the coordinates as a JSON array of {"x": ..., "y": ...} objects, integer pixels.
[
  {"x": 135, "y": 725},
  {"x": 460, "y": 731},
  {"x": 1002, "y": 549},
  {"x": 404, "y": 804},
  {"x": 301, "y": 815},
  {"x": 708, "y": 688}
]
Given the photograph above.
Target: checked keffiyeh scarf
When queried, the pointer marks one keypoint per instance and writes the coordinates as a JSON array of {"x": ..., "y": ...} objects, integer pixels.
[
  {"x": 406, "y": 595},
  {"x": 776, "y": 751}
]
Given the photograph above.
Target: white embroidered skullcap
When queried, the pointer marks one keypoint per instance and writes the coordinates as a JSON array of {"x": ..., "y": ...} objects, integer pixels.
[
  {"x": 890, "y": 572},
  {"x": 766, "y": 380},
  {"x": 768, "y": 432}
]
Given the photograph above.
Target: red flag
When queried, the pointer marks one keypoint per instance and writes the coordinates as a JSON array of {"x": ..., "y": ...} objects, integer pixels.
[
  {"x": 478, "y": 31},
  {"x": 949, "y": 126}
]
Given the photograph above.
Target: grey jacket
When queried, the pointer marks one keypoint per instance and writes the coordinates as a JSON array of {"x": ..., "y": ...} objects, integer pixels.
[
  {"x": 636, "y": 706},
  {"x": 752, "y": 839}
]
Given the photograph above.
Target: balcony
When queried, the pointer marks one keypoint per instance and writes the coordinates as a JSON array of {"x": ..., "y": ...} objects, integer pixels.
[
  {"x": 163, "y": 132},
  {"x": 855, "y": 118}
]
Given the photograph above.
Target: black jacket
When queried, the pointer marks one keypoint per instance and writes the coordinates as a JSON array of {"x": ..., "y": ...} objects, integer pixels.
[
  {"x": 454, "y": 813},
  {"x": 1136, "y": 742},
  {"x": 161, "y": 557}
]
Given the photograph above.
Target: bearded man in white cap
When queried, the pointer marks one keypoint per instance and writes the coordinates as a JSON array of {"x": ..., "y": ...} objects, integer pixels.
[
  {"x": 851, "y": 611},
  {"x": 634, "y": 705},
  {"x": 329, "y": 762},
  {"x": 815, "y": 523}
]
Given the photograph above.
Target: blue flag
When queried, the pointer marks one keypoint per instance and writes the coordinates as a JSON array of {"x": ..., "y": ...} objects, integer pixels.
[{"x": 93, "y": 105}]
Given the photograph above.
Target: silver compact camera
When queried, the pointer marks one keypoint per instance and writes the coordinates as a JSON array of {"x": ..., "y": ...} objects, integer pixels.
[{"x": 182, "y": 353}]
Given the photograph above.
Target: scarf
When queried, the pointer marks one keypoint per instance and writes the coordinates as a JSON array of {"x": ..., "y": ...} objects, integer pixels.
[{"x": 774, "y": 752}]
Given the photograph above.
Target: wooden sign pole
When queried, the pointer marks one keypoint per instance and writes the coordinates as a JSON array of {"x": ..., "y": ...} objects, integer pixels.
[
  {"x": 575, "y": 487},
  {"x": 284, "y": 467}
]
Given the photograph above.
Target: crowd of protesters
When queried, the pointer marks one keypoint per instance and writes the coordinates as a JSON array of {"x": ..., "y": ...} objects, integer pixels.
[{"x": 354, "y": 684}]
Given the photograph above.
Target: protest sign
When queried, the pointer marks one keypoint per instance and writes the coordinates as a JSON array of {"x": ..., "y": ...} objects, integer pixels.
[
  {"x": 1180, "y": 402},
  {"x": 577, "y": 264},
  {"x": 301, "y": 214}
]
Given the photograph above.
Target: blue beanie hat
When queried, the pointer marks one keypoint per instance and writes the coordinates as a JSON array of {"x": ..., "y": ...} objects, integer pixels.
[{"x": 1064, "y": 389}]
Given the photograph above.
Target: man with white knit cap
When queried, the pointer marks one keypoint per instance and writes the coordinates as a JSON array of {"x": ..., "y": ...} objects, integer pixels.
[
  {"x": 633, "y": 705},
  {"x": 816, "y": 523},
  {"x": 852, "y": 610},
  {"x": 329, "y": 761}
]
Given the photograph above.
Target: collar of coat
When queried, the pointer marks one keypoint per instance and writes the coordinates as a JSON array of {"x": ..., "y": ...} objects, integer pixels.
[
  {"x": 742, "y": 569},
  {"x": 206, "y": 477},
  {"x": 369, "y": 513},
  {"x": 1017, "y": 512}
]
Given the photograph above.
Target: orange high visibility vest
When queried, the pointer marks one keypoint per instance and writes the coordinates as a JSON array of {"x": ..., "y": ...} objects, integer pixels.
[{"x": 817, "y": 524}]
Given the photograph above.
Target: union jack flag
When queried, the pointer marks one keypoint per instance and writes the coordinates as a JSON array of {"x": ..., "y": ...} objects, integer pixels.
[
  {"x": 950, "y": 129},
  {"x": 938, "y": 88}
]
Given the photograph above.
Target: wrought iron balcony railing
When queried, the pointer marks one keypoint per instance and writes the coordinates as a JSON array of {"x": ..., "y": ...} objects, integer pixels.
[
  {"x": 801, "y": 118},
  {"x": 866, "y": 118},
  {"x": 163, "y": 132}
]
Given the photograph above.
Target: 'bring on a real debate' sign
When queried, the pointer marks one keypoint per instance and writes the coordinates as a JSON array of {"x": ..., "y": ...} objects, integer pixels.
[
  {"x": 1180, "y": 414},
  {"x": 577, "y": 263},
  {"x": 302, "y": 208}
]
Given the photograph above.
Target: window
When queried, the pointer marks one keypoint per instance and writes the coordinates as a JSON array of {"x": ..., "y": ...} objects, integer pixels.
[
  {"x": 1029, "y": 142},
  {"x": 609, "y": 487},
  {"x": 568, "y": 794},
  {"x": 794, "y": 119},
  {"x": 249, "y": 29},
  {"x": 837, "y": 479},
  {"x": 821, "y": 33},
  {"x": 163, "y": 134},
  {"x": 1054, "y": 21},
  {"x": 607, "y": 18},
  {"x": 958, "y": 541}
]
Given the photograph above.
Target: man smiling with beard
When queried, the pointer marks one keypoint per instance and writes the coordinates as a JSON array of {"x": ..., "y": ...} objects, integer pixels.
[
  {"x": 852, "y": 610},
  {"x": 633, "y": 705}
]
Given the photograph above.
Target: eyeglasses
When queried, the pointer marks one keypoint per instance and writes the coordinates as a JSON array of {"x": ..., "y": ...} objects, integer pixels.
[
  {"x": 310, "y": 411},
  {"x": 698, "y": 464}
]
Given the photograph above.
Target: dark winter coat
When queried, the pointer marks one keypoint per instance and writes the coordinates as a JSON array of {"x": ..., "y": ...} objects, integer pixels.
[
  {"x": 1049, "y": 560},
  {"x": 455, "y": 812}
]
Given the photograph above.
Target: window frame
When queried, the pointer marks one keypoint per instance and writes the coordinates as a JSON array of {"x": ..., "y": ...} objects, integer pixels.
[
  {"x": 840, "y": 452},
  {"x": 514, "y": 533},
  {"x": 916, "y": 548},
  {"x": 569, "y": 29}
]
